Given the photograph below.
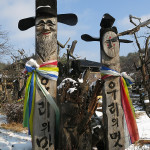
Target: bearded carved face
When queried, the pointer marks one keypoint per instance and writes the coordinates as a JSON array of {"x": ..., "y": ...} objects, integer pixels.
[
  {"x": 45, "y": 26},
  {"x": 46, "y": 36}
]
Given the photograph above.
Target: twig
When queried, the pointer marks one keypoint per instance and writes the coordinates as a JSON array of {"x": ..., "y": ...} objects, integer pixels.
[{"x": 146, "y": 48}]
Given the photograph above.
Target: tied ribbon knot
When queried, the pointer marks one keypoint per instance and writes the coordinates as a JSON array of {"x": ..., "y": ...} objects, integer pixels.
[
  {"x": 34, "y": 70},
  {"x": 128, "y": 108}
]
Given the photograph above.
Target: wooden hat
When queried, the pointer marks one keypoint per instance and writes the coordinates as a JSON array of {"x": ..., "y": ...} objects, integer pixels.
[{"x": 68, "y": 19}]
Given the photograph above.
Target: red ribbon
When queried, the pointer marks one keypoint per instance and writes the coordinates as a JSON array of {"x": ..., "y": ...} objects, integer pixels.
[
  {"x": 49, "y": 63},
  {"x": 106, "y": 76},
  {"x": 130, "y": 120},
  {"x": 44, "y": 64}
]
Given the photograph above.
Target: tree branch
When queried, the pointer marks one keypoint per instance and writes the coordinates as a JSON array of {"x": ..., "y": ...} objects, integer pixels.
[{"x": 146, "y": 48}]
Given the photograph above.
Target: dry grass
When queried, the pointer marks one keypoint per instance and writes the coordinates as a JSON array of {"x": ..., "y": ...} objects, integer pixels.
[
  {"x": 137, "y": 115},
  {"x": 16, "y": 127},
  {"x": 142, "y": 142}
]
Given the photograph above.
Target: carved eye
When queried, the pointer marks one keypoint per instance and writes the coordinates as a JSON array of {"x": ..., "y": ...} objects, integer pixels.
[
  {"x": 49, "y": 24},
  {"x": 40, "y": 24}
]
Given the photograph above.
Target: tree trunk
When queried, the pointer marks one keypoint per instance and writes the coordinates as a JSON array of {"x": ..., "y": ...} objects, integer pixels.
[{"x": 78, "y": 104}]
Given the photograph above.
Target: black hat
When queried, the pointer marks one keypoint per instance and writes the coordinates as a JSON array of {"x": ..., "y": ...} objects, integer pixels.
[
  {"x": 69, "y": 19},
  {"x": 107, "y": 21}
]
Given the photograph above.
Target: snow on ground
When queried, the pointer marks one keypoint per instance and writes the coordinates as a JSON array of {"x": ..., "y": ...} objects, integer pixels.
[
  {"x": 20, "y": 141},
  {"x": 2, "y": 119},
  {"x": 13, "y": 141},
  {"x": 143, "y": 123}
]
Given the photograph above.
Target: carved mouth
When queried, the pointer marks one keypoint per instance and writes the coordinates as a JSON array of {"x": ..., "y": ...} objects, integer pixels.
[{"x": 46, "y": 33}]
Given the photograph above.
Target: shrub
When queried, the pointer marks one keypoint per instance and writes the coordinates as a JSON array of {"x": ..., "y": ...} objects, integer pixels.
[{"x": 14, "y": 112}]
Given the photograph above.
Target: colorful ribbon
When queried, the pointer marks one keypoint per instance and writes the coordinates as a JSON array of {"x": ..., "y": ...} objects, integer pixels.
[
  {"x": 34, "y": 70},
  {"x": 128, "y": 108},
  {"x": 129, "y": 112},
  {"x": 20, "y": 99}
]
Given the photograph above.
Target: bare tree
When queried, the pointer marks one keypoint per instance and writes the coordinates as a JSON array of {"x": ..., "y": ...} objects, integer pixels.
[
  {"x": 5, "y": 46},
  {"x": 143, "y": 56}
]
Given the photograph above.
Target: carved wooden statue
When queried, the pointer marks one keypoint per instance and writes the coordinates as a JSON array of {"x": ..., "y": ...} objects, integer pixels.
[
  {"x": 113, "y": 114},
  {"x": 45, "y": 133}
]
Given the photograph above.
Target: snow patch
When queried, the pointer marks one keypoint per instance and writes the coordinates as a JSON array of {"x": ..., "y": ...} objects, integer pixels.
[
  {"x": 92, "y": 85},
  {"x": 98, "y": 126},
  {"x": 71, "y": 90},
  {"x": 143, "y": 123},
  {"x": 22, "y": 146},
  {"x": 99, "y": 101},
  {"x": 146, "y": 101},
  {"x": 80, "y": 80},
  {"x": 70, "y": 70},
  {"x": 9, "y": 138},
  {"x": 60, "y": 86},
  {"x": 98, "y": 113},
  {"x": 3, "y": 119},
  {"x": 63, "y": 82}
]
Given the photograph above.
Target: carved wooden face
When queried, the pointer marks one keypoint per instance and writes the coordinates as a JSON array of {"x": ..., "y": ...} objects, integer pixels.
[
  {"x": 110, "y": 45},
  {"x": 45, "y": 26},
  {"x": 46, "y": 37}
]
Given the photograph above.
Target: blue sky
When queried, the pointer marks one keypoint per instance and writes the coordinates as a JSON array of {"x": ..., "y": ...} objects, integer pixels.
[{"x": 89, "y": 16}]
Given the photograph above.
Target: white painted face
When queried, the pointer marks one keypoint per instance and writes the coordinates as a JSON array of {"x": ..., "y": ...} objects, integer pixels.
[{"x": 45, "y": 26}]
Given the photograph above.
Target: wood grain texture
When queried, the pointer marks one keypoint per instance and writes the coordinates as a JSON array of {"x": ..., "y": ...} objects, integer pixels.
[
  {"x": 77, "y": 108},
  {"x": 112, "y": 109},
  {"x": 44, "y": 115}
]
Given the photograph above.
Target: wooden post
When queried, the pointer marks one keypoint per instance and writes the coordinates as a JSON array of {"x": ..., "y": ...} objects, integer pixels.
[
  {"x": 112, "y": 110},
  {"x": 43, "y": 134},
  {"x": 46, "y": 50},
  {"x": 115, "y": 126}
]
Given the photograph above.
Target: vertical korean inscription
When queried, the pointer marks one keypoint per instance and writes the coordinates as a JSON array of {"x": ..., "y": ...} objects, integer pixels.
[{"x": 114, "y": 111}]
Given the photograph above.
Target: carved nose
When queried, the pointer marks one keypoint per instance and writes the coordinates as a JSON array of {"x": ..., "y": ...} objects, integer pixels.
[{"x": 46, "y": 27}]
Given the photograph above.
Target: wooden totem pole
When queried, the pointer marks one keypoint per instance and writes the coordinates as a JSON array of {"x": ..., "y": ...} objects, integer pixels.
[
  {"x": 46, "y": 50},
  {"x": 45, "y": 132},
  {"x": 112, "y": 110}
]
